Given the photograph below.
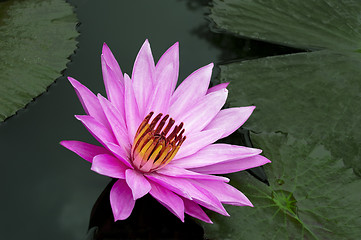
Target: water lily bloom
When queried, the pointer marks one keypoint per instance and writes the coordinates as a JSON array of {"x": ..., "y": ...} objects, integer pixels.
[{"x": 159, "y": 139}]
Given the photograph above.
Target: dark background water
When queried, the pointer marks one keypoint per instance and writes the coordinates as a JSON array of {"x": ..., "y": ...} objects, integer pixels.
[{"x": 48, "y": 192}]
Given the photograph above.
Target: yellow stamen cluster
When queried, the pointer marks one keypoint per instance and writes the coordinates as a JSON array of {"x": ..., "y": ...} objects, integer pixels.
[{"x": 153, "y": 147}]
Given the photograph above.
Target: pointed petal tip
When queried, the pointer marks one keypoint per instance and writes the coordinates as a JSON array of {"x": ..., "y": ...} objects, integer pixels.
[
  {"x": 82, "y": 117},
  {"x": 175, "y": 46},
  {"x": 102, "y": 100},
  {"x": 265, "y": 160},
  {"x": 73, "y": 81},
  {"x": 246, "y": 202},
  {"x": 105, "y": 49},
  {"x": 64, "y": 143},
  {"x": 146, "y": 44},
  {"x": 79, "y": 117},
  {"x": 174, "y": 49},
  {"x": 101, "y": 97},
  {"x": 181, "y": 217},
  {"x": 119, "y": 218},
  {"x": 208, "y": 67},
  {"x": 248, "y": 108},
  {"x": 225, "y": 213},
  {"x": 247, "y": 111},
  {"x": 76, "y": 84},
  {"x": 126, "y": 76},
  {"x": 207, "y": 220}
]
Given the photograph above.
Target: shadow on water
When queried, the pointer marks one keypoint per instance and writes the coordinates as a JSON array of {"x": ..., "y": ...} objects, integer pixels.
[{"x": 149, "y": 220}]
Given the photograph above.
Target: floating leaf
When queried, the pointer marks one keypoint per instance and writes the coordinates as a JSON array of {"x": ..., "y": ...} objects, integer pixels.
[
  {"x": 315, "y": 96},
  {"x": 311, "y": 196},
  {"x": 37, "y": 37},
  {"x": 313, "y": 100},
  {"x": 310, "y": 24}
]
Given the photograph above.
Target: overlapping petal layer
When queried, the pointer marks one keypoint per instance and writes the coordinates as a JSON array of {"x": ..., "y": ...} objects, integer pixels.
[{"x": 174, "y": 144}]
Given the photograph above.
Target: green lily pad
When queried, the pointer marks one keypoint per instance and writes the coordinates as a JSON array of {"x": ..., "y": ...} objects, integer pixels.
[
  {"x": 37, "y": 37},
  {"x": 312, "y": 195},
  {"x": 314, "y": 96},
  {"x": 313, "y": 101},
  {"x": 310, "y": 24}
]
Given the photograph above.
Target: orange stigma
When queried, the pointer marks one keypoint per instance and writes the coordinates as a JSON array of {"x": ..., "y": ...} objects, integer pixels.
[{"x": 153, "y": 147}]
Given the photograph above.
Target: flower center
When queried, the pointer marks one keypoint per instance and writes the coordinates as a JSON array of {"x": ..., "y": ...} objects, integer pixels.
[{"x": 153, "y": 147}]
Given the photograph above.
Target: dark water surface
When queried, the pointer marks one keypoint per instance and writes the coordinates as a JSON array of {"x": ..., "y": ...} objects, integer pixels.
[{"x": 48, "y": 191}]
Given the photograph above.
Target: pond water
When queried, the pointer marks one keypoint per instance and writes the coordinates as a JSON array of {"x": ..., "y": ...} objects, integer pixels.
[{"x": 49, "y": 191}]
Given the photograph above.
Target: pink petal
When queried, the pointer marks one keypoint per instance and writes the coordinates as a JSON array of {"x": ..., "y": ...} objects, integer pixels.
[
  {"x": 224, "y": 192},
  {"x": 143, "y": 77},
  {"x": 162, "y": 180},
  {"x": 215, "y": 153},
  {"x": 114, "y": 86},
  {"x": 89, "y": 101},
  {"x": 186, "y": 189},
  {"x": 233, "y": 166},
  {"x": 120, "y": 153},
  {"x": 183, "y": 173},
  {"x": 217, "y": 87},
  {"x": 108, "y": 165},
  {"x": 194, "y": 210},
  {"x": 116, "y": 122},
  {"x": 190, "y": 90},
  {"x": 168, "y": 199},
  {"x": 132, "y": 117},
  {"x": 106, "y": 137},
  {"x": 171, "y": 56},
  {"x": 166, "y": 73},
  {"x": 98, "y": 130},
  {"x": 84, "y": 150},
  {"x": 138, "y": 183},
  {"x": 121, "y": 200},
  {"x": 230, "y": 119},
  {"x": 110, "y": 60},
  {"x": 208, "y": 200},
  {"x": 197, "y": 117},
  {"x": 159, "y": 99},
  {"x": 198, "y": 140}
]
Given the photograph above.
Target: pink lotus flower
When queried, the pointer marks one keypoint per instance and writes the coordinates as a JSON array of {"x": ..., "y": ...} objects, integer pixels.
[{"x": 160, "y": 140}]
